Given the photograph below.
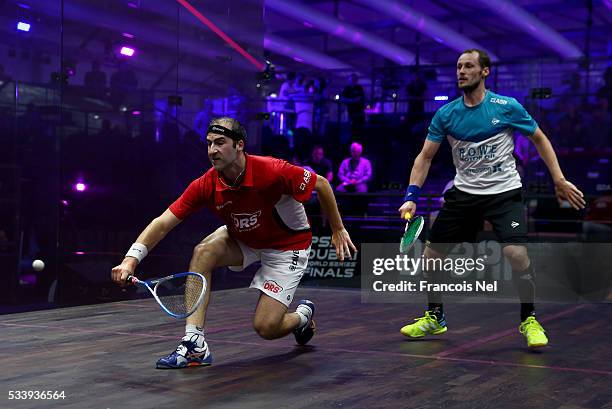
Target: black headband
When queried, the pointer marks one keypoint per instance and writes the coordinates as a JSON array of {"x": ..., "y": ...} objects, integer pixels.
[{"x": 221, "y": 130}]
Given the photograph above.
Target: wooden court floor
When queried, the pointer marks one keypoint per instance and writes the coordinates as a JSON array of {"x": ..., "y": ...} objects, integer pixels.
[{"x": 103, "y": 356}]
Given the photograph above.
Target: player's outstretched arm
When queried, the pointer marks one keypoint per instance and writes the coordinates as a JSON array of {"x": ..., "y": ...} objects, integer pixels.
[
  {"x": 340, "y": 237},
  {"x": 564, "y": 190},
  {"x": 150, "y": 236},
  {"x": 419, "y": 172}
]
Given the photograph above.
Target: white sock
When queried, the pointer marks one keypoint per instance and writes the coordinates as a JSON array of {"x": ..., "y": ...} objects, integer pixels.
[
  {"x": 304, "y": 313},
  {"x": 195, "y": 334}
]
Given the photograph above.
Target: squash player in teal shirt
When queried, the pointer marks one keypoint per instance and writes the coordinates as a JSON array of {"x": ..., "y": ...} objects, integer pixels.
[{"x": 480, "y": 127}]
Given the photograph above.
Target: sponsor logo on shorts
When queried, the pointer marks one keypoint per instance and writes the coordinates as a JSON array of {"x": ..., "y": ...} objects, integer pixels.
[
  {"x": 514, "y": 224},
  {"x": 494, "y": 121},
  {"x": 295, "y": 259},
  {"x": 307, "y": 176},
  {"x": 246, "y": 221},
  {"x": 272, "y": 286}
]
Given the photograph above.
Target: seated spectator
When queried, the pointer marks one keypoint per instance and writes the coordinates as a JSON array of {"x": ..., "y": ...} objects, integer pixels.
[
  {"x": 355, "y": 172},
  {"x": 203, "y": 117},
  {"x": 4, "y": 78},
  {"x": 304, "y": 106},
  {"x": 122, "y": 83},
  {"x": 95, "y": 80},
  {"x": 319, "y": 163},
  {"x": 353, "y": 96}
]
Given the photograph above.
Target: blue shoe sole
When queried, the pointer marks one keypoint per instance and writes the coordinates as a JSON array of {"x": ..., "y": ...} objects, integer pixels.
[
  {"x": 188, "y": 365},
  {"x": 204, "y": 362}
]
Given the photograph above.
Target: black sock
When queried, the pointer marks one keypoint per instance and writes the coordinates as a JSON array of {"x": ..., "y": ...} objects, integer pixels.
[
  {"x": 527, "y": 310},
  {"x": 434, "y": 298},
  {"x": 436, "y": 309},
  {"x": 524, "y": 281}
]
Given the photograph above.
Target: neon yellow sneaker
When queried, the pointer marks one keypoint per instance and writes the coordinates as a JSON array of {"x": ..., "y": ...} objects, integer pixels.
[
  {"x": 534, "y": 333},
  {"x": 427, "y": 325}
]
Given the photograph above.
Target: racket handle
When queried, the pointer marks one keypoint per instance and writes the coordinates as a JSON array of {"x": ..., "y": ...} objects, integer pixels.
[{"x": 131, "y": 279}]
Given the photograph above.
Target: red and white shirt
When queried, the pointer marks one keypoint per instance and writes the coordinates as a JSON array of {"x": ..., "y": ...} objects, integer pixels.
[{"x": 264, "y": 211}]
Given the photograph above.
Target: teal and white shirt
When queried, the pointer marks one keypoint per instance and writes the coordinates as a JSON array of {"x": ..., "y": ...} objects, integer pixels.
[{"x": 482, "y": 141}]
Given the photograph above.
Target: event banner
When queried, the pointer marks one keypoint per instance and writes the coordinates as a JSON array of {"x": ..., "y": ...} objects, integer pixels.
[
  {"x": 323, "y": 262},
  {"x": 487, "y": 272}
]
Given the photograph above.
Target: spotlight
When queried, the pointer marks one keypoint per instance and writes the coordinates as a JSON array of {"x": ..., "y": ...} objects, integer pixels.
[
  {"x": 80, "y": 187},
  {"x": 441, "y": 98},
  {"x": 21, "y": 26},
  {"x": 127, "y": 51}
]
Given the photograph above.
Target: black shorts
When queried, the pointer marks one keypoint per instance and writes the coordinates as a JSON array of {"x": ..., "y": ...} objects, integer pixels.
[{"x": 463, "y": 216}]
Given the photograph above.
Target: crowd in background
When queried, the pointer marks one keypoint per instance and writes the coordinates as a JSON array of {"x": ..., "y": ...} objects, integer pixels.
[{"x": 316, "y": 123}]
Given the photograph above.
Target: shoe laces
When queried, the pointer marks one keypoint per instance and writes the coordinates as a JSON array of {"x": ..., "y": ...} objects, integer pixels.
[
  {"x": 182, "y": 348},
  {"x": 428, "y": 317},
  {"x": 530, "y": 325}
]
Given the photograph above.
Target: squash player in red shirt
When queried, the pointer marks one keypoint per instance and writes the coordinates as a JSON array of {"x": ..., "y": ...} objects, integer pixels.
[{"x": 260, "y": 200}]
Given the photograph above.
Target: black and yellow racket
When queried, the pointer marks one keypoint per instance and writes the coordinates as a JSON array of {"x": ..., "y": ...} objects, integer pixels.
[{"x": 414, "y": 226}]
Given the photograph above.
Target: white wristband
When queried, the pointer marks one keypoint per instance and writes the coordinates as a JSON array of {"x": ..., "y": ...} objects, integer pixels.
[{"x": 138, "y": 251}]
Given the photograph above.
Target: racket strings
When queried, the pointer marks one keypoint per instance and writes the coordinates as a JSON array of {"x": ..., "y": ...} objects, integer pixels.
[{"x": 180, "y": 295}]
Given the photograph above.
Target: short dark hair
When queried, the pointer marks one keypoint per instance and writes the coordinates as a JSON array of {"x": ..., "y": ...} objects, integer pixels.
[
  {"x": 314, "y": 148},
  {"x": 483, "y": 58},
  {"x": 231, "y": 124}
]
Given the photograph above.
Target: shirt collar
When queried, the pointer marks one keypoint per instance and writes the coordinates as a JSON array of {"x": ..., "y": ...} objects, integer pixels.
[{"x": 247, "y": 179}]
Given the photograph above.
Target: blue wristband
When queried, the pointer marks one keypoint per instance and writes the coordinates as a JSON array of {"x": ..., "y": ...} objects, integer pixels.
[{"x": 412, "y": 193}]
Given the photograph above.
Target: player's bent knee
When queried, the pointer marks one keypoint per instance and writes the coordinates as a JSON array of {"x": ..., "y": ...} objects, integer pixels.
[
  {"x": 266, "y": 329},
  {"x": 517, "y": 255},
  {"x": 206, "y": 250}
]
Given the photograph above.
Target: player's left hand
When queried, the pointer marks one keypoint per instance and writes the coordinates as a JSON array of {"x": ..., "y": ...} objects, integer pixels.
[
  {"x": 343, "y": 244},
  {"x": 565, "y": 190}
]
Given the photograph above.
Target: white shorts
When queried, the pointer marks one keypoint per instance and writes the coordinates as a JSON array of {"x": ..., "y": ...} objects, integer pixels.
[{"x": 280, "y": 272}]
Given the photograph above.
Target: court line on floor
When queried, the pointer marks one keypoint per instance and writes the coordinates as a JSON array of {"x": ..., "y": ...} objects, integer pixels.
[
  {"x": 467, "y": 360},
  {"x": 334, "y": 349},
  {"x": 150, "y": 334},
  {"x": 504, "y": 333}
]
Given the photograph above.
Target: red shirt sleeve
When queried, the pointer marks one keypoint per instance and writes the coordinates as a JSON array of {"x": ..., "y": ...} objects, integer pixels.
[
  {"x": 198, "y": 194},
  {"x": 297, "y": 182}
]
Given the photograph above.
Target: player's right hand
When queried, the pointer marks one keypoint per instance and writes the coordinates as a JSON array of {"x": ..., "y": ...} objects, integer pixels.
[
  {"x": 120, "y": 273},
  {"x": 343, "y": 244},
  {"x": 407, "y": 207}
]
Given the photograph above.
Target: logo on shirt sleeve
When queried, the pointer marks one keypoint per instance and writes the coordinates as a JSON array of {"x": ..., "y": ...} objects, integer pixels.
[
  {"x": 307, "y": 176},
  {"x": 499, "y": 101},
  {"x": 246, "y": 221}
]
